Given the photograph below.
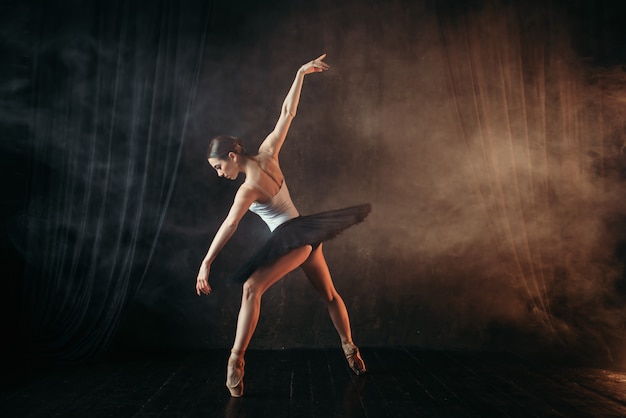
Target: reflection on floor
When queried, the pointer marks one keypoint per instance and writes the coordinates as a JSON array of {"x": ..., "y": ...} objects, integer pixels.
[{"x": 317, "y": 383}]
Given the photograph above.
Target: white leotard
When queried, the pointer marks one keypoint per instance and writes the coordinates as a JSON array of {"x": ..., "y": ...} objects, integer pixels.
[{"x": 278, "y": 210}]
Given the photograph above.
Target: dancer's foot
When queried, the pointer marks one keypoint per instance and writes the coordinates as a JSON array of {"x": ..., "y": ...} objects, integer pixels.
[
  {"x": 353, "y": 356},
  {"x": 234, "y": 374}
]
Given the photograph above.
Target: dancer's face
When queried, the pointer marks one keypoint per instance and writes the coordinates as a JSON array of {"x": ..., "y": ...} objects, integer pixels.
[{"x": 227, "y": 168}]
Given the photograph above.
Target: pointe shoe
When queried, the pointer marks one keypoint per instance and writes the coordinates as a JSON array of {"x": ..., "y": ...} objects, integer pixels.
[
  {"x": 234, "y": 376},
  {"x": 353, "y": 357}
]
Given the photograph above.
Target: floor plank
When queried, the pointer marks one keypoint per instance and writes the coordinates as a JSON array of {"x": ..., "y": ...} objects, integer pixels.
[{"x": 318, "y": 383}]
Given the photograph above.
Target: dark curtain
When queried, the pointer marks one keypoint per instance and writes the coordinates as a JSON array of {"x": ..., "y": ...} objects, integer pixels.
[
  {"x": 542, "y": 132},
  {"x": 487, "y": 134},
  {"x": 110, "y": 90}
]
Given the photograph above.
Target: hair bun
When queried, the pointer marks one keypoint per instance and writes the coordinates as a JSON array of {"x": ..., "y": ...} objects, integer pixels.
[{"x": 220, "y": 146}]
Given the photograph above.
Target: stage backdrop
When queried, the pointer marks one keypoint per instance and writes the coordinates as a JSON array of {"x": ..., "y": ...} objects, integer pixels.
[{"x": 487, "y": 135}]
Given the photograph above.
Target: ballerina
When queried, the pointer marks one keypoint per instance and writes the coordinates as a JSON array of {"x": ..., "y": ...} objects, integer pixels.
[{"x": 296, "y": 240}]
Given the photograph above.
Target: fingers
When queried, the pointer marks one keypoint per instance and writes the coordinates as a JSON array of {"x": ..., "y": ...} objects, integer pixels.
[
  {"x": 318, "y": 65},
  {"x": 321, "y": 66},
  {"x": 203, "y": 287}
]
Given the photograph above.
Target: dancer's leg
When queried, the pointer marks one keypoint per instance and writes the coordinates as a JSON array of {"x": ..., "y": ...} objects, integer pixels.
[
  {"x": 261, "y": 280},
  {"x": 317, "y": 272}
]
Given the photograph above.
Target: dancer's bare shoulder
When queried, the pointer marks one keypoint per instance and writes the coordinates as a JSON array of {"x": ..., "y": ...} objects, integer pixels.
[{"x": 269, "y": 166}]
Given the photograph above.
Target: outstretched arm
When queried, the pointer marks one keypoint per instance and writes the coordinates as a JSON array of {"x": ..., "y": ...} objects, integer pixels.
[
  {"x": 243, "y": 199},
  {"x": 275, "y": 139}
]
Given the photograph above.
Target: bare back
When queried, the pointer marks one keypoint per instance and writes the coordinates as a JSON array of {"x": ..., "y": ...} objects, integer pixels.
[{"x": 265, "y": 175}]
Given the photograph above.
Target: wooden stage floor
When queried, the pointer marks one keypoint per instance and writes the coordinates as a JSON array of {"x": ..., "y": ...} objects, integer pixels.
[{"x": 317, "y": 383}]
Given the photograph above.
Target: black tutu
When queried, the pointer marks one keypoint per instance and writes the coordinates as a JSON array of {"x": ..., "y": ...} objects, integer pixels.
[{"x": 298, "y": 232}]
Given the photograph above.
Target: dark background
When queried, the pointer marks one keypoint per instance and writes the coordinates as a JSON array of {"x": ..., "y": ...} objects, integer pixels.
[{"x": 488, "y": 136}]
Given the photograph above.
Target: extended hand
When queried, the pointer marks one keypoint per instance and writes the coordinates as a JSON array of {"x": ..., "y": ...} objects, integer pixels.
[
  {"x": 316, "y": 66},
  {"x": 202, "y": 283}
]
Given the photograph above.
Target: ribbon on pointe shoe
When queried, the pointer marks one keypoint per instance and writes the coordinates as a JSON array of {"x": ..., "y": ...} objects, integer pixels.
[
  {"x": 234, "y": 375},
  {"x": 353, "y": 356}
]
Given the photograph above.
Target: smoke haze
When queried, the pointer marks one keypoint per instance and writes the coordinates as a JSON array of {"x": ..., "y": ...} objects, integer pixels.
[
  {"x": 488, "y": 136},
  {"x": 491, "y": 153}
]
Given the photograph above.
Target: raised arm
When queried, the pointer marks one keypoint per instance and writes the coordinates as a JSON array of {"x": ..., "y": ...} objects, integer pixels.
[
  {"x": 243, "y": 199},
  {"x": 275, "y": 139}
]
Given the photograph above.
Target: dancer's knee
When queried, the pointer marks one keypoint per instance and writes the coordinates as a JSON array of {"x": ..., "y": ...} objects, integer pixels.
[{"x": 251, "y": 291}]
